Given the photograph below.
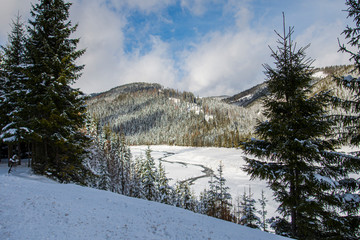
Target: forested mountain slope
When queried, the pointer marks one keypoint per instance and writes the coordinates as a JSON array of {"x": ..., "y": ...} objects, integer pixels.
[{"x": 151, "y": 114}]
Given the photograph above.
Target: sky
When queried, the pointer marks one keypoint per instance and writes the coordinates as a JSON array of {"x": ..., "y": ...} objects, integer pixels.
[{"x": 208, "y": 47}]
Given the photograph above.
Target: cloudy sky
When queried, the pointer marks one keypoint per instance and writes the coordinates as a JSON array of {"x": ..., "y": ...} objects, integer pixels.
[{"x": 209, "y": 47}]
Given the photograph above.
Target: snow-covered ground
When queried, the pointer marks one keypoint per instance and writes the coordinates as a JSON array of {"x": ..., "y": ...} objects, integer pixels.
[{"x": 33, "y": 207}]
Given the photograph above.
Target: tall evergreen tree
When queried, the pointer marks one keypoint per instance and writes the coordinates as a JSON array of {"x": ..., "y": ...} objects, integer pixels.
[
  {"x": 56, "y": 110},
  {"x": 14, "y": 123},
  {"x": 297, "y": 158}
]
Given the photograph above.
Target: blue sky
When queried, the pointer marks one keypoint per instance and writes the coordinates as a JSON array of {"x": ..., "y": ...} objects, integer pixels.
[{"x": 209, "y": 47}]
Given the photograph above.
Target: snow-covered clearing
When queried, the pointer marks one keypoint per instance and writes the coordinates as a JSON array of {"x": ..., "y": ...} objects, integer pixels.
[
  {"x": 184, "y": 163},
  {"x": 33, "y": 207}
]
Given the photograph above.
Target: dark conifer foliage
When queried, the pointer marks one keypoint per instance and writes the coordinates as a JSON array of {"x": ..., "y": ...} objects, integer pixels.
[
  {"x": 296, "y": 156},
  {"x": 56, "y": 110},
  {"x": 248, "y": 211},
  {"x": 3, "y": 112},
  {"x": 351, "y": 120},
  {"x": 13, "y": 120}
]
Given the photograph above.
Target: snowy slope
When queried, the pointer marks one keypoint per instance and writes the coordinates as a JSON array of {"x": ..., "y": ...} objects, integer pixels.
[{"x": 33, "y": 207}]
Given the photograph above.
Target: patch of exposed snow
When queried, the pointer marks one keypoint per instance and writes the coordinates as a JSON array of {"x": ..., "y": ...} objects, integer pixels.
[{"x": 319, "y": 74}]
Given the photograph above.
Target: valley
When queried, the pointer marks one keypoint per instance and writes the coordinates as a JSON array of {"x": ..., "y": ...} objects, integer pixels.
[
  {"x": 150, "y": 114},
  {"x": 197, "y": 165}
]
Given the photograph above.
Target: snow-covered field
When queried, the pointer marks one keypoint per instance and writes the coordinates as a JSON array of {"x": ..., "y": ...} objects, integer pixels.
[
  {"x": 183, "y": 163},
  {"x": 33, "y": 207}
]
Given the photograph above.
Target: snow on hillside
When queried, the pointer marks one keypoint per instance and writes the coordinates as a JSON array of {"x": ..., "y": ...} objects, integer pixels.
[
  {"x": 33, "y": 207},
  {"x": 319, "y": 74}
]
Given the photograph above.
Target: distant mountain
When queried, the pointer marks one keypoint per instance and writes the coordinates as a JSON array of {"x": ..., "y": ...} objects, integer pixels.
[
  {"x": 323, "y": 79},
  {"x": 249, "y": 96},
  {"x": 151, "y": 114},
  {"x": 148, "y": 113}
]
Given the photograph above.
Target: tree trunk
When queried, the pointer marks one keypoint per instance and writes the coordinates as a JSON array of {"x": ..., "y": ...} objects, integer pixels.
[
  {"x": 10, "y": 153},
  {"x": 19, "y": 153},
  {"x": 293, "y": 210}
]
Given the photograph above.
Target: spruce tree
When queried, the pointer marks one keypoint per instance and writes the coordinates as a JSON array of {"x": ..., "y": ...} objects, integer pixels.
[
  {"x": 184, "y": 197},
  {"x": 56, "y": 110},
  {"x": 148, "y": 177},
  {"x": 14, "y": 128},
  {"x": 263, "y": 212},
  {"x": 211, "y": 198},
  {"x": 163, "y": 186},
  {"x": 294, "y": 151},
  {"x": 248, "y": 212},
  {"x": 223, "y": 196}
]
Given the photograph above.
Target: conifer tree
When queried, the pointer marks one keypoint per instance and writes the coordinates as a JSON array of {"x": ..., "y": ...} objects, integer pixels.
[
  {"x": 203, "y": 205},
  {"x": 56, "y": 110},
  {"x": 148, "y": 177},
  {"x": 14, "y": 123},
  {"x": 295, "y": 154},
  {"x": 165, "y": 191},
  {"x": 184, "y": 197},
  {"x": 248, "y": 212},
  {"x": 223, "y": 196},
  {"x": 263, "y": 212},
  {"x": 210, "y": 197}
]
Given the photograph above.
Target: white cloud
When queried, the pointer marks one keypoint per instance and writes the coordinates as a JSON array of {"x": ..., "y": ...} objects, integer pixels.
[
  {"x": 228, "y": 62},
  {"x": 100, "y": 31},
  {"x": 324, "y": 44},
  {"x": 106, "y": 63},
  {"x": 221, "y": 62},
  {"x": 155, "y": 66}
]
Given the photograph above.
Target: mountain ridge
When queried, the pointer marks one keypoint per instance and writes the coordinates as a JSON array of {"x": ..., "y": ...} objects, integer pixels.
[{"x": 148, "y": 113}]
